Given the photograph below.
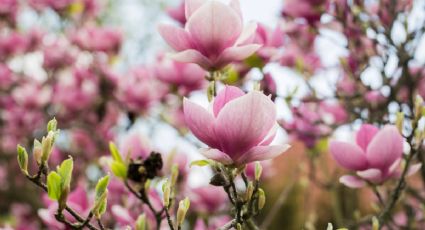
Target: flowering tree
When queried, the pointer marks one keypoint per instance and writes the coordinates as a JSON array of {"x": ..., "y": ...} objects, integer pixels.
[{"x": 94, "y": 168}]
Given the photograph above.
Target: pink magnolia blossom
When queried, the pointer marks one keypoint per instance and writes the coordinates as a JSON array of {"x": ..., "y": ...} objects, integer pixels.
[
  {"x": 77, "y": 200},
  {"x": 270, "y": 39},
  {"x": 77, "y": 90},
  {"x": 187, "y": 77},
  {"x": 139, "y": 90},
  {"x": 9, "y": 10},
  {"x": 238, "y": 130},
  {"x": 135, "y": 145},
  {"x": 7, "y": 78},
  {"x": 58, "y": 55},
  {"x": 178, "y": 13},
  {"x": 12, "y": 44},
  {"x": 213, "y": 223},
  {"x": 213, "y": 35},
  {"x": 375, "y": 157},
  {"x": 207, "y": 199},
  {"x": 98, "y": 39},
  {"x": 310, "y": 10}
]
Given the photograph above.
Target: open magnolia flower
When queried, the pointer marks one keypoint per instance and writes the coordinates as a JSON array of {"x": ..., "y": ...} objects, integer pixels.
[
  {"x": 238, "y": 130},
  {"x": 213, "y": 35},
  {"x": 376, "y": 157}
]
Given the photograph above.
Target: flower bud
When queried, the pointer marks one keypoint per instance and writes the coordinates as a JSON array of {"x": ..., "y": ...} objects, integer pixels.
[
  {"x": 399, "y": 121},
  {"x": 238, "y": 226},
  {"x": 166, "y": 189},
  {"x": 375, "y": 223},
  {"x": 261, "y": 199},
  {"x": 147, "y": 185},
  {"x": 249, "y": 191},
  {"x": 258, "y": 170},
  {"x": 419, "y": 104},
  {"x": 141, "y": 222},
  {"x": 182, "y": 210},
  {"x": 37, "y": 151},
  {"x": 23, "y": 159},
  {"x": 174, "y": 174},
  {"x": 46, "y": 145},
  {"x": 52, "y": 125}
]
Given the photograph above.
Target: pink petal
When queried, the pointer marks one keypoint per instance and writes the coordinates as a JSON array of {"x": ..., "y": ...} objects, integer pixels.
[
  {"x": 217, "y": 155},
  {"x": 236, "y": 53},
  {"x": 225, "y": 95},
  {"x": 413, "y": 169},
  {"x": 247, "y": 35},
  {"x": 261, "y": 153},
  {"x": 200, "y": 122},
  {"x": 372, "y": 175},
  {"x": 176, "y": 37},
  {"x": 192, "y": 56},
  {"x": 191, "y": 6},
  {"x": 244, "y": 122},
  {"x": 234, "y": 4},
  {"x": 352, "y": 181},
  {"x": 122, "y": 215},
  {"x": 348, "y": 155},
  {"x": 271, "y": 135},
  {"x": 365, "y": 135},
  {"x": 385, "y": 148},
  {"x": 214, "y": 26}
]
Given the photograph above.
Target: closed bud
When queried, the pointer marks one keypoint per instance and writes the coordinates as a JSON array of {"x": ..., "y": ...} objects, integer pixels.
[
  {"x": 141, "y": 222},
  {"x": 419, "y": 104},
  {"x": 400, "y": 121},
  {"x": 261, "y": 199},
  {"x": 46, "y": 145},
  {"x": 182, "y": 210},
  {"x": 249, "y": 191},
  {"x": 419, "y": 137},
  {"x": 23, "y": 159},
  {"x": 52, "y": 125},
  {"x": 147, "y": 185},
  {"x": 167, "y": 191},
  {"x": 375, "y": 223},
  {"x": 174, "y": 174},
  {"x": 37, "y": 150},
  {"x": 63, "y": 197},
  {"x": 258, "y": 170},
  {"x": 238, "y": 226}
]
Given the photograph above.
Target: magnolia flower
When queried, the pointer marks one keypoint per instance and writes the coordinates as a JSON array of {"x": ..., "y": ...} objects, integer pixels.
[
  {"x": 376, "y": 157},
  {"x": 187, "y": 77},
  {"x": 271, "y": 40},
  {"x": 207, "y": 199},
  {"x": 98, "y": 39},
  {"x": 213, "y": 35},
  {"x": 178, "y": 13},
  {"x": 238, "y": 130}
]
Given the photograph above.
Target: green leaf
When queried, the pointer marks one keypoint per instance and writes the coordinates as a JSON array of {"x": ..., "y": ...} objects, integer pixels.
[
  {"x": 101, "y": 186},
  {"x": 22, "y": 159},
  {"x": 52, "y": 125},
  {"x": 54, "y": 188},
  {"x": 65, "y": 171},
  {"x": 115, "y": 153},
  {"x": 200, "y": 163},
  {"x": 119, "y": 169}
]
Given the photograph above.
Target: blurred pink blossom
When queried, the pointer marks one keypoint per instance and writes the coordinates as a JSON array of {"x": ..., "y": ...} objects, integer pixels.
[{"x": 375, "y": 157}]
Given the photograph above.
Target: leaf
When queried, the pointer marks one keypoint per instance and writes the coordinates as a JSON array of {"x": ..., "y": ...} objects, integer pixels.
[
  {"x": 200, "y": 163},
  {"x": 22, "y": 159},
  {"x": 115, "y": 153},
  {"x": 54, "y": 188},
  {"x": 65, "y": 171},
  {"x": 101, "y": 186},
  {"x": 119, "y": 169}
]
